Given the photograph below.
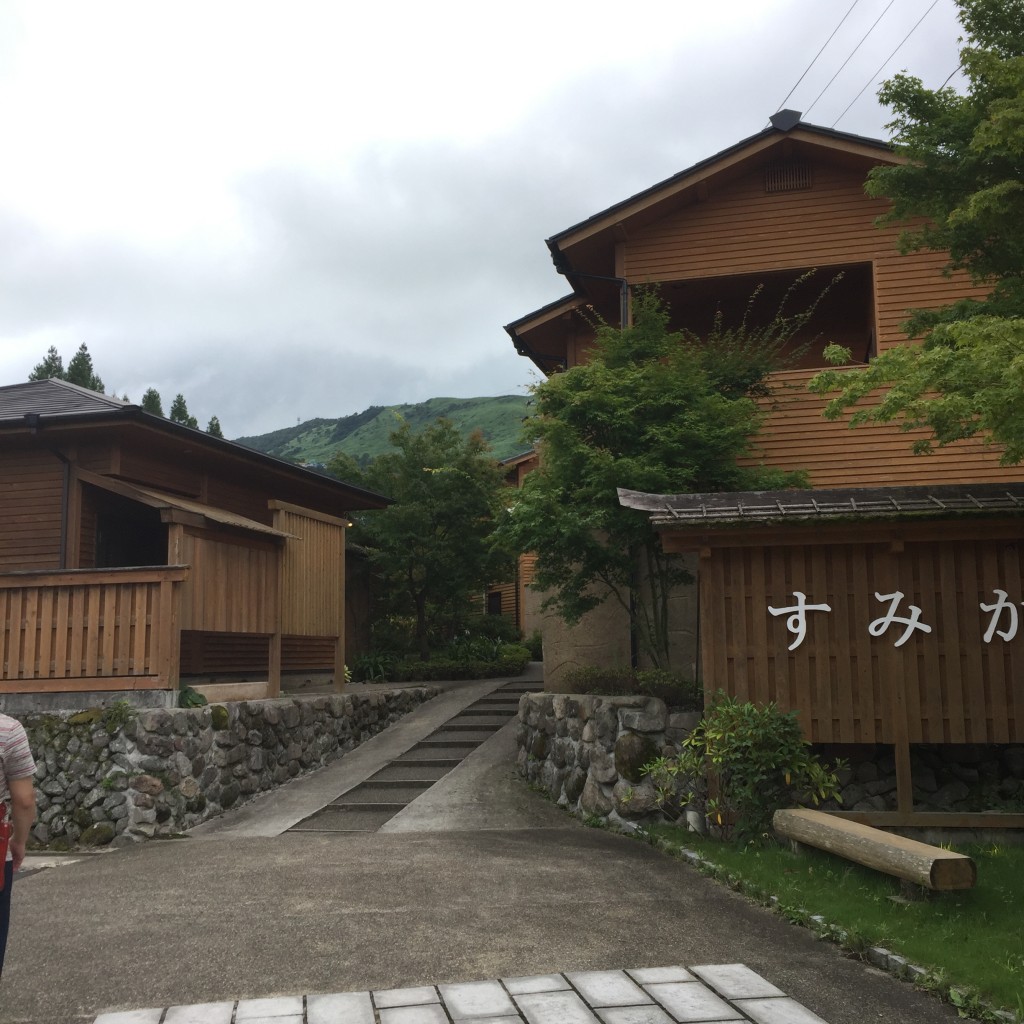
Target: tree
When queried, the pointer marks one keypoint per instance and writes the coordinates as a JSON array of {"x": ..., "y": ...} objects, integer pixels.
[
  {"x": 80, "y": 370},
  {"x": 152, "y": 403},
  {"x": 213, "y": 427},
  {"x": 51, "y": 366},
  {"x": 180, "y": 414},
  {"x": 651, "y": 411},
  {"x": 433, "y": 546},
  {"x": 961, "y": 192}
]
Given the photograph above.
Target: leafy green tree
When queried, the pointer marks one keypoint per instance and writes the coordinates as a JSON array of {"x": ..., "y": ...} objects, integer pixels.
[
  {"x": 51, "y": 366},
  {"x": 433, "y": 547},
  {"x": 180, "y": 414},
  {"x": 152, "y": 403},
  {"x": 80, "y": 370},
  {"x": 213, "y": 427},
  {"x": 961, "y": 192},
  {"x": 651, "y": 411}
]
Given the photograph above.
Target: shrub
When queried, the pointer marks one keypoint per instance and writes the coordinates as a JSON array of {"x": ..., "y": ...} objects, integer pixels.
[
  {"x": 413, "y": 669},
  {"x": 535, "y": 643},
  {"x": 495, "y": 627},
  {"x": 673, "y": 688},
  {"x": 372, "y": 668},
  {"x": 759, "y": 760}
]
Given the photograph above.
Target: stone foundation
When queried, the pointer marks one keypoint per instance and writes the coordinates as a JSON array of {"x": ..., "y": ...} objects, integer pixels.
[
  {"x": 110, "y": 771},
  {"x": 587, "y": 752}
]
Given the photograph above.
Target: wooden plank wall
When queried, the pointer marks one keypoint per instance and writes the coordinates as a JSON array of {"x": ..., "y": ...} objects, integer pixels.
[
  {"x": 312, "y": 574},
  {"x": 797, "y": 436},
  {"x": 847, "y": 684},
  {"x": 234, "y": 584},
  {"x": 31, "y": 486},
  {"x": 75, "y": 631}
]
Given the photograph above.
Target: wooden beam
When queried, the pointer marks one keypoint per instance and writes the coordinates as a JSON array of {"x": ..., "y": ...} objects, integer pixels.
[
  {"x": 933, "y": 819},
  {"x": 930, "y": 866},
  {"x": 77, "y": 684},
  {"x": 308, "y": 513}
]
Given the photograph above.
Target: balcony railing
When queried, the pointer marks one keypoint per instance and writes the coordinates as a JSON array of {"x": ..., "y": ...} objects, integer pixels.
[{"x": 90, "y": 629}]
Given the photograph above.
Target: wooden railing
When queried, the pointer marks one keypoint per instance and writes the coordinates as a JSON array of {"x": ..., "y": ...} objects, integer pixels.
[{"x": 90, "y": 629}]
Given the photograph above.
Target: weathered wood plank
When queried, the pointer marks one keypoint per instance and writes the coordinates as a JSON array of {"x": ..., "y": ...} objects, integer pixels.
[{"x": 929, "y": 866}]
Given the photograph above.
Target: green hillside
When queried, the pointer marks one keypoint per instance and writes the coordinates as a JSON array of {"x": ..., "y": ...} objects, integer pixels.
[{"x": 364, "y": 435}]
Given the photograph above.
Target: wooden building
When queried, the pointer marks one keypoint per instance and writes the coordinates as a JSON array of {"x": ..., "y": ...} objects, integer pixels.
[
  {"x": 942, "y": 531},
  {"x": 136, "y": 553}
]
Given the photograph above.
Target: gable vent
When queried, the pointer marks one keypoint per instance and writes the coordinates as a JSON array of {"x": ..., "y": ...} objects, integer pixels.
[{"x": 787, "y": 176}]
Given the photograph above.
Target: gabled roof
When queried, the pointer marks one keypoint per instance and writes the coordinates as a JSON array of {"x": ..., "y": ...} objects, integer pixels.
[
  {"x": 38, "y": 406},
  {"x": 703, "y": 169},
  {"x": 53, "y": 397},
  {"x": 585, "y": 252}
]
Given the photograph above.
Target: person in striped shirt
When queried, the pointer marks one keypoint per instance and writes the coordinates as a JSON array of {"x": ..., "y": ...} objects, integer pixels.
[{"x": 18, "y": 804}]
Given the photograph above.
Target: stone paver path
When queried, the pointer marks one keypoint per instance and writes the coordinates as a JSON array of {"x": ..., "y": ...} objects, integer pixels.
[{"x": 712, "y": 994}]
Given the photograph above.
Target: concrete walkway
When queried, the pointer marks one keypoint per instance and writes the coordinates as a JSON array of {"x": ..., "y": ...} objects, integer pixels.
[{"x": 477, "y": 880}]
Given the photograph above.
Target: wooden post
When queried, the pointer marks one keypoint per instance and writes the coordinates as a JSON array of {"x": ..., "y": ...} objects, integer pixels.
[{"x": 274, "y": 666}]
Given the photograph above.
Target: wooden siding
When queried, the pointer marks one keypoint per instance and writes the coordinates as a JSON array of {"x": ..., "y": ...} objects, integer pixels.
[
  {"x": 308, "y": 653},
  {"x": 221, "y": 654},
  {"x": 312, "y": 573},
  {"x": 742, "y": 230},
  {"x": 234, "y": 585},
  {"x": 849, "y": 686},
  {"x": 797, "y": 436},
  {"x": 103, "y": 630},
  {"x": 31, "y": 487}
]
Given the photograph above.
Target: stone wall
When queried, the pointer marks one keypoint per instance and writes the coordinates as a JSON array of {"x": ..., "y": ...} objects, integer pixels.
[
  {"x": 587, "y": 752},
  {"x": 108, "y": 772}
]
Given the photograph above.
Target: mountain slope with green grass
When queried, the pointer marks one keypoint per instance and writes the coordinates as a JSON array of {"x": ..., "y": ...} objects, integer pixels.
[{"x": 364, "y": 435}]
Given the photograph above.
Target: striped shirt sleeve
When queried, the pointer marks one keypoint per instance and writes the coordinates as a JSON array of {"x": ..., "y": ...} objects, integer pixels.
[{"x": 15, "y": 756}]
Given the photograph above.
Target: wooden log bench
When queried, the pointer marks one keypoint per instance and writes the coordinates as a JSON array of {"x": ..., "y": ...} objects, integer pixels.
[{"x": 917, "y": 863}]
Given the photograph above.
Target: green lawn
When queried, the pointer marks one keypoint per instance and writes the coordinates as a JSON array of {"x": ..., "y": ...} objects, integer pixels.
[{"x": 975, "y": 937}]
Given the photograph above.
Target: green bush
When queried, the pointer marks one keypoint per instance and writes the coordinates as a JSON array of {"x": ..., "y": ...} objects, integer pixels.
[
  {"x": 373, "y": 667},
  {"x": 760, "y": 762},
  {"x": 495, "y": 627},
  {"x": 413, "y": 669},
  {"x": 535, "y": 643},
  {"x": 673, "y": 688}
]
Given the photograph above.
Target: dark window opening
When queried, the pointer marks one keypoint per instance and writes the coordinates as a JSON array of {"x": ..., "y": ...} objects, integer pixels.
[
  {"x": 845, "y": 314},
  {"x": 494, "y": 602},
  {"x": 128, "y": 533}
]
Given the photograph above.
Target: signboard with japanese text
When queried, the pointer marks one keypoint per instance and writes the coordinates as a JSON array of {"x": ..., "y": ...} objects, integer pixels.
[{"x": 860, "y": 637}]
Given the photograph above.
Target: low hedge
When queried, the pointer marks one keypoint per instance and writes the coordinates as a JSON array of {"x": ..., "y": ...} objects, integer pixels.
[{"x": 414, "y": 670}]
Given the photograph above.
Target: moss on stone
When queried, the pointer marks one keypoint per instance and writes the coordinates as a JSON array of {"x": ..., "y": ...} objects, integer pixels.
[
  {"x": 632, "y": 752},
  {"x": 219, "y": 717}
]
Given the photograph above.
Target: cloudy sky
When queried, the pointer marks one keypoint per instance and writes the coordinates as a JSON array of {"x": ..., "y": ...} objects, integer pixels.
[{"x": 288, "y": 210}]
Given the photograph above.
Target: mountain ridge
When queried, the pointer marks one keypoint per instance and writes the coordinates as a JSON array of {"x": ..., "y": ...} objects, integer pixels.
[{"x": 364, "y": 435}]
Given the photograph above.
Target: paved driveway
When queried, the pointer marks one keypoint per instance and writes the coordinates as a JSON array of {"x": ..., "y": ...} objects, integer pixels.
[{"x": 478, "y": 879}]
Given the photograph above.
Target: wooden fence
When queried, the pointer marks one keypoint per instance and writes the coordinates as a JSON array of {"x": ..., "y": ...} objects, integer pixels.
[{"x": 87, "y": 629}]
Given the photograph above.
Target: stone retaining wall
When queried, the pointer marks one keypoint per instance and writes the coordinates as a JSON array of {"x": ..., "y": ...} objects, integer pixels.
[
  {"x": 114, "y": 771},
  {"x": 587, "y": 751}
]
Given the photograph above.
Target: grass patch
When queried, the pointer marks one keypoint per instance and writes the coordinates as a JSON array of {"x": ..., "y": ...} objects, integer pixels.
[{"x": 974, "y": 939}]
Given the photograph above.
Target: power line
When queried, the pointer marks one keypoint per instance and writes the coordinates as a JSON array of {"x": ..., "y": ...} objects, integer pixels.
[
  {"x": 848, "y": 59},
  {"x": 817, "y": 55},
  {"x": 886, "y": 61}
]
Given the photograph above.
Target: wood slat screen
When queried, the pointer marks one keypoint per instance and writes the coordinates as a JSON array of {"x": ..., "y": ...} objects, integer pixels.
[
  {"x": 63, "y": 630},
  {"x": 312, "y": 574},
  {"x": 847, "y": 684}
]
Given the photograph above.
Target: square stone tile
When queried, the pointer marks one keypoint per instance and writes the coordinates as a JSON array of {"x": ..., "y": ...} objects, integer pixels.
[
  {"x": 691, "y": 1001},
  {"x": 406, "y": 996},
  {"x": 607, "y": 988},
  {"x": 778, "y": 1011},
  {"x": 649, "y": 1014},
  {"x": 516, "y": 1019},
  {"x": 736, "y": 981},
  {"x": 427, "y": 1013},
  {"x": 350, "y": 1007},
  {"x": 535, "y": 983},
  {"x": 131, "y": 1017},
  {"x": 281, "y": 1006},
  {"x": 555, "y": 1008},
  {"x": 476, "y": 999},
  {"x": 200, "y": 1013},
  {"x": 291, "y": 1018},
  {"x": 659, "y": 975}
]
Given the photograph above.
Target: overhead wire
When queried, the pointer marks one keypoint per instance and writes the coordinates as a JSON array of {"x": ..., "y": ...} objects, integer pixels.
[
  {"x": 817, "y": 55},
  {"x": 874, "y": 24},
  {"x": 874, "y": 77}
]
